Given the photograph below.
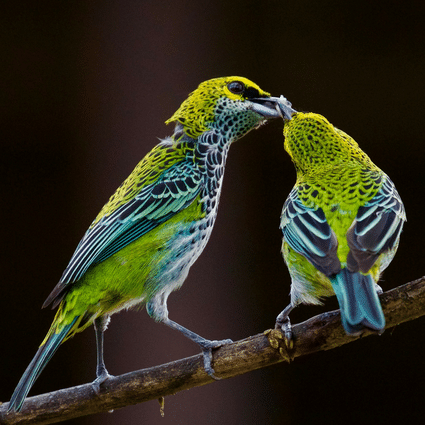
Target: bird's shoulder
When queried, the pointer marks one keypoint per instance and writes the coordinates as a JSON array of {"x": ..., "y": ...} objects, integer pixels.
[
  {"x": 166, "y": 157},
  {"x": 341, "y": 186}
]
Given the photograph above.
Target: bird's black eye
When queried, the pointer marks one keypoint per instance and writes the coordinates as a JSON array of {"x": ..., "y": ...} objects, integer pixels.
[{"x": 236, "y": 87}]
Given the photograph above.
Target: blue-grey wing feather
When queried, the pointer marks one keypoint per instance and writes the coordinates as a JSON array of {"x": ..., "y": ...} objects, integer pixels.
[
  {"x": 152, "y": 206},
  {"x": 307, "y": 232},
  {"x": 376, "y": 229}
]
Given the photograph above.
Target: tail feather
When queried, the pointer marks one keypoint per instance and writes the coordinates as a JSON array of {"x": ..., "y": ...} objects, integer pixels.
[
  {"x": 359, "y": 302},
  {"x": 40, "y": 360}
]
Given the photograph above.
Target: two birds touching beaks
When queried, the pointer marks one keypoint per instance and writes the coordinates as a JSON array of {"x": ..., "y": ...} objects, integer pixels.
[{"x": 341, "y": 224}]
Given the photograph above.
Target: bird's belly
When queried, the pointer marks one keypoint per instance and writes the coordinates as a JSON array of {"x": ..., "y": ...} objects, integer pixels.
[
  {"x": 181, "y": 252},
  {"x": 309, "y": 285},
  {"x": 145, "y": 268}
]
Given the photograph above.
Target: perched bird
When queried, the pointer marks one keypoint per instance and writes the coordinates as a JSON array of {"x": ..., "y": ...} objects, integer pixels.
[
  {"x": 341, "y": 224},
  {"x": 145, "y": 239}
]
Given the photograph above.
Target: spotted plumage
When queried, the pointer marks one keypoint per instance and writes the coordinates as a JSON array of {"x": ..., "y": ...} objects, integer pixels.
[
  {"x": 145, "y": 239},
  {"x": 341, "y": 223}
]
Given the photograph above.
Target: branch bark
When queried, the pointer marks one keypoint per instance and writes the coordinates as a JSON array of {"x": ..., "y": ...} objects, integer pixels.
[{"x": 320, "y": 333}]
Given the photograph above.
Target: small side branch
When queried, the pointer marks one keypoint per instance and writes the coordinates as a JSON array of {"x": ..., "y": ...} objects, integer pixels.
[{"x": 320, "y": 333}]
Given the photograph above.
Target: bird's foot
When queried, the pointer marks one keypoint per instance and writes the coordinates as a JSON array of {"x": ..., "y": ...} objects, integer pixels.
[
  {"x": 284, "y": 324},
  {"x": 286, "y": 327},
  {"x": 207, "y": 346},
  {"x": 281, "y": 340},
  {"x": 101, "y": 378}
]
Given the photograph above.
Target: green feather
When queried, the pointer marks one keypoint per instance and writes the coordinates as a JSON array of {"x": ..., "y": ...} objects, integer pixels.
[
  {"x": 143, "y": 242},
  {"x": 341, "y": 223}
]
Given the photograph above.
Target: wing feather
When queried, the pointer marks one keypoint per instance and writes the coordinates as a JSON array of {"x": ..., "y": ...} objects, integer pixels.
[
  {"x": 376, "y": 229},
  {"x": 307, "y": 232},
  {"x": 173, "y": 190}
]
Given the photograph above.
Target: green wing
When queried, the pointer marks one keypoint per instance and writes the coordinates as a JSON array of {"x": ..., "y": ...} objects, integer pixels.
[{"x": 164, "y": 183}]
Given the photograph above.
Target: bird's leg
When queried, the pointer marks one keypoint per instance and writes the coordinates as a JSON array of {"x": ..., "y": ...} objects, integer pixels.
[
  {"x": 100, "y": 325},
  {"x": 206, "y": 345},
  {"x": 284, "y": 324},
  {"x": 157, "y": 309}
]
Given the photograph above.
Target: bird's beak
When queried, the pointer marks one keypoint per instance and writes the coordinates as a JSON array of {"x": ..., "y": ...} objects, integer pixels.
[{"x": 273, "y": 107}]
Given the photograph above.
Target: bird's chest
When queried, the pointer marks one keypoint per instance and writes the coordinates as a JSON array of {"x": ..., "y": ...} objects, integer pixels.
[
  {"x": 196, "y": 236},
  {"x": 212, "y": 163},
  {"x": 193, "y": 234}
]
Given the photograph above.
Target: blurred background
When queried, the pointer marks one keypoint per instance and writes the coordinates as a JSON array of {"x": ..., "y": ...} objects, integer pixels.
[{"x": 85, "y": 89}]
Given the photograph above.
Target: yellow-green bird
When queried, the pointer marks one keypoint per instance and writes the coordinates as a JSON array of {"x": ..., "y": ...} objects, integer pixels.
[
  {"x": 341, "y": 224},
  {"x": 145, "y": 239}
]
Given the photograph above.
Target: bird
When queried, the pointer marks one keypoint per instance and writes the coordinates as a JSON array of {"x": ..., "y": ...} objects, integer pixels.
[
  {"x": 143, "y": 242},
  {"x": 341, "y": 224}
]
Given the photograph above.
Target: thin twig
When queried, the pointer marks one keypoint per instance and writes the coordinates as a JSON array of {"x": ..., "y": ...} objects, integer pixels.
[{"x": 322, "y": 332}]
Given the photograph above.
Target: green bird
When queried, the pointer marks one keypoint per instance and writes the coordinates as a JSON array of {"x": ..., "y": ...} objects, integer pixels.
[
  {"x": 341, "y": 224},
  {"x": 145, "y": 239}
]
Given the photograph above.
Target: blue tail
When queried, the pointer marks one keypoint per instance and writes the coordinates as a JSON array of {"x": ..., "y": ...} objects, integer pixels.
[
  {"x": 44, "y": 354},
  {"x": 359, "y": 302}
]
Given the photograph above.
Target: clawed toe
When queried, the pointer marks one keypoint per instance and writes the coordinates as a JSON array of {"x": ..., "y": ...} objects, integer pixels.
[
  {"x": 99, "y": 381},
  {"x": 207, "y": 347},
  {"x": 284, "y": 324},
  {"x": 286, "y": 328},
  {"x": 207, "y": 353}
]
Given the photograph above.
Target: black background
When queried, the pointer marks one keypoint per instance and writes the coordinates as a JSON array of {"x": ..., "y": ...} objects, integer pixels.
[{"x": 85, "y": 89}]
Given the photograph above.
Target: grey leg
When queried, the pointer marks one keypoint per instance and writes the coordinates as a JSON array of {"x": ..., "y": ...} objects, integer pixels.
[
  {"x": 100, "y": 325},
  {"x": 206, "y": 345}
]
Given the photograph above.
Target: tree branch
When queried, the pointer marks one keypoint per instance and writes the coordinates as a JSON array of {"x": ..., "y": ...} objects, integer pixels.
[{"x": 322, "y": 332}]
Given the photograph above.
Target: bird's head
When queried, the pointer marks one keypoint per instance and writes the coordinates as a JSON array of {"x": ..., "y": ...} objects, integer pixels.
[
  {"x": 229, "y": 105},
  {"x": 315, "y": 144}
]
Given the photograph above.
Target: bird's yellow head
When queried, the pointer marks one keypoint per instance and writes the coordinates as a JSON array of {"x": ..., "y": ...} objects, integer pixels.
[
  {"x": 218, "y": 101},
  {"x": 315, "y": 144}
]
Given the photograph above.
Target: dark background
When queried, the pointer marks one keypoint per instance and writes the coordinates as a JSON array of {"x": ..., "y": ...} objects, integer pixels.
[{"x": 85, "y": 88}]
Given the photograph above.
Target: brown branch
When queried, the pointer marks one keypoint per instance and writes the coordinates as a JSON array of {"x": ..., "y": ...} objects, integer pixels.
[{"x": 319, "y": 333}]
